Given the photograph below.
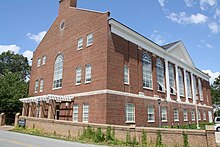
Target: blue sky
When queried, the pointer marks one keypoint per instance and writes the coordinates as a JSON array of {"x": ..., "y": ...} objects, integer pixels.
[{"x": 195, "y": 22}]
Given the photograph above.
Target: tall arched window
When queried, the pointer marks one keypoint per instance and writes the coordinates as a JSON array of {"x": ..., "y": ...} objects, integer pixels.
[
  {"x": 171, "y": 79},
  {"x": 147, "y": 70},
  {"x": 181, "y": 84},
  {"x": 200, "y": 89},
  {"x": 188, "y": 85},
  {"x": 160, "y": 75},
  {"x": 195, "y": 87},
  {"x": 58, "y": 72}
]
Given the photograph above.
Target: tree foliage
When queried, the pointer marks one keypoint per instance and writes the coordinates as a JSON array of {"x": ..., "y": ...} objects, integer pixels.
[
  {"x": 215, "y": 91},
  {"x": 14, "y": 72}
]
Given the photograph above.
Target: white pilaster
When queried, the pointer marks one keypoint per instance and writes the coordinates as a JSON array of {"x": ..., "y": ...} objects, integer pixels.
[
  {"x": 167, "y": 80},
  {"x": 186, "y": 88},
  {"x": 177, "y": 84},
  {"x": 193, "y": 90}
]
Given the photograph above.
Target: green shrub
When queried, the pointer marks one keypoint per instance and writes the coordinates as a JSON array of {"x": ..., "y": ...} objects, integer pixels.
[
  {"x": 159, "y": 139},
  {"x": 128, "y": 138},
  {"x": 185, "y": 140},
  {"x": 99, "y": 136},
  {"x": 144, "y": 137}
]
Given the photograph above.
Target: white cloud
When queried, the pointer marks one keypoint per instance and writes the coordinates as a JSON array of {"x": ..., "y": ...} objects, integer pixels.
[
  {"x": 189, "y": 3},
  {"x": 214, "y": 27},
  {"x": 182, "y": 18},
  {"x": 37, "y": 38},
  {"x": 158, "y": 38},
  {"x": 12, "y": 48},
  {"x": 29, "y": 55},
  {"x": 162, "y": 3},
  {"x": 209, "y": 45},
  {"x": 213, "y": 75},
  {"x": 217, "y": 13},
  {"x": 205, "y": 3}
]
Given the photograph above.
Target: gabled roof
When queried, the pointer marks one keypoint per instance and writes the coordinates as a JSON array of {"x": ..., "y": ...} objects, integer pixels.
[{"x": 167, "y": 46}]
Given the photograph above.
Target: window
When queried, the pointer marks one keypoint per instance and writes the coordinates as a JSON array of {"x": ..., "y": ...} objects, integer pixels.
[
  {"x": 85, "y": 112},
  {"x": 130, "y": 113},
  {"x": 188, "y": 85},
  {"x": 160, "y": 75},
  {"x": 200, "y": 90},
  {"x": 75, "y": 113},
  {"x": 62, "y": 25},
  {"x": 78, "y": 75},
  {"x": 164, "y": 114},
  {"x": 88, "y": 73},
  {"x": 185, "y": 115},
  {"x": 126, "y": 74},
  {"x": 89, "y": 39},
  {"x": 41, "y": 85},
  {"x": 193, "y": 115},
  {"x": 204, "y": 115},
  {"x": 176, "y": 114},
  {"x": 80, "y": 43},
  {"x": 181, "y": 85},
  {"x": 44, "y": 60},
  {"x": 147, "y": 70},
  {"x": 36, "y": 86},
  {"x": 151, "y": 114},
  {"x": 58, "y": 72},
  {"x": 171, "y": 79},
  {"x": 195, "y": 87},
  {"x": 38, "y": 62},
  {"x": 199, "y": 115}
]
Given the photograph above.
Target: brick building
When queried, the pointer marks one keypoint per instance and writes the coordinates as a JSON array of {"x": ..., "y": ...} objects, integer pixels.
[{"x": 91, "y": 68}]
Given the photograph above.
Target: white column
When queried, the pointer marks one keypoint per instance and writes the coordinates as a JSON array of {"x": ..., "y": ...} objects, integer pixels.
[
  {"x": 193, "y": 90},
  {"x": 177, "y": 84},
  {"x": 186, "y": 88},
  {"x": 167, "y": 80}
]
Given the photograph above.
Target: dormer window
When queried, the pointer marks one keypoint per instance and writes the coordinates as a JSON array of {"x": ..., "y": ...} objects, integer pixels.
[{"x": 89, "y": 39}]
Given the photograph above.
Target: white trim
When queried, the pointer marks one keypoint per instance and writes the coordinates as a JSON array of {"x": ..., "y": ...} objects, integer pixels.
[{"x": 107, "y": 91}]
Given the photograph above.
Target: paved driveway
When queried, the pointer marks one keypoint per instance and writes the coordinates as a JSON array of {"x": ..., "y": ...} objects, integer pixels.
[{"x": 12, "y": 139}]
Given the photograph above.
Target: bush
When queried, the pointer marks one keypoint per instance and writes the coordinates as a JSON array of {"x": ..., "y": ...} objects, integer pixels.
[{"x": 144, "y": 137}]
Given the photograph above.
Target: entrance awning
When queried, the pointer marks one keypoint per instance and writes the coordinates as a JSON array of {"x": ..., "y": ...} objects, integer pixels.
[{"x": 46, "y": 98}]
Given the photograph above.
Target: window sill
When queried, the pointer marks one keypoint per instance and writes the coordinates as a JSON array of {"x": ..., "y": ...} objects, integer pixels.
[
  {"x": 190, "y": 97},
  {"x": 176, "y": 120},
  {"x": 183, "y": 96},
  {"x": 88, "y": 82},
  {"x": 41, "y": 91},
  {"x": 130, "y": 122},
  {"x": 57, "y": 88},
  {"x": 77, "y": 84},
  {"x": 126, "y": 84},
  {"x": 85, "y": 121},
  {"x": 146, "y": 88},
  {"x": 78, "y": 49},
  {"x": 161, "y": 91},
  {"x": 185, "y": 120},
  {"x": 174, "y": 94},
  {"x": 164, "y": 121},
  {"x": 151, "y": 121},
  {"x": 193, "y": 119},
  {"x": 35, "y": 92},
  {"x": 88, "y": 45}
]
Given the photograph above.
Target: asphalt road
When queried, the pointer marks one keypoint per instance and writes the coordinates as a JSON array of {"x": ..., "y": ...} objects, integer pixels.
[{"x": 12, "y": 139}]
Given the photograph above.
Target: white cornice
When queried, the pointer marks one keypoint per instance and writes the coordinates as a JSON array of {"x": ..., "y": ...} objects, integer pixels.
[{"x": 132, "y": 36}]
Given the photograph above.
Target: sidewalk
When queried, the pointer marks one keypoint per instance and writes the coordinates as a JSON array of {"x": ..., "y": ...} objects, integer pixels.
[{"x": 6, "y": 128}]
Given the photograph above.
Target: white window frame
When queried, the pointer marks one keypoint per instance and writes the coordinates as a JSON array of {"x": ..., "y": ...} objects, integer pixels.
[
  {"x": 88, "y": 74},
  {"x": 38, "y": 62},
  {"x": 126, "y": 74},
  {"x": 147, "y": 71},
  {"x": 41, "y": 85},
  {"x": 89, "y": 39},
  {"x": 78, "y": 75},
  {"x": 172, "y": 79},
  {"x": 204, "y": 115},
  {"x": 181, "y": 83},
  {"x": 130, "y": 113},
  {"x": 85, "y": 113},
  {"x": 80, "y": 43},
  {"x": 188, "y": 81},
  {"x": 200, "y": 90},
  {"x": 185, "y": 115},
  {"x": 195, "y": 87},
  {"x": 58, "y": 72},
  {"x": 36, "y": 86},
  {"x": 75, "y": 112},
  {"x": 199, "y": 115},
  {"x": 44, "y": 59},
  {"x": 160, "y": 75},
  {"x": 193, "y": 115},
  {"x": 164, "y": 114},
  {"x": 151, "y": 113},
  {"x": 176, "y": 114}
]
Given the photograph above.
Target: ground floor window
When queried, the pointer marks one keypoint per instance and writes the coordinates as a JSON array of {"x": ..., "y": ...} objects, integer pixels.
[
  {"x": 85, "y": 112},
  {"x": 199, "y": 115},
  {"x": 164, "y": 114},
  {"x": 130, "y": 112},
  {"x": 193, "y": 115},
  {"x": 185, "y": 116},
  {"x": 176, "y": 114},
  {"x": 151, "y": 113},
  {"x": 75, "y": 113},
  {"x": 204, "y": 115}
]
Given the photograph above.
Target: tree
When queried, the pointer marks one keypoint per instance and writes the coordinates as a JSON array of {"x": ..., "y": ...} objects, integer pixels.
[
  {"x": 215, "y": 92},
  {"x": 14, "y": 63},
  {"x": 14, "y": 72}
]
